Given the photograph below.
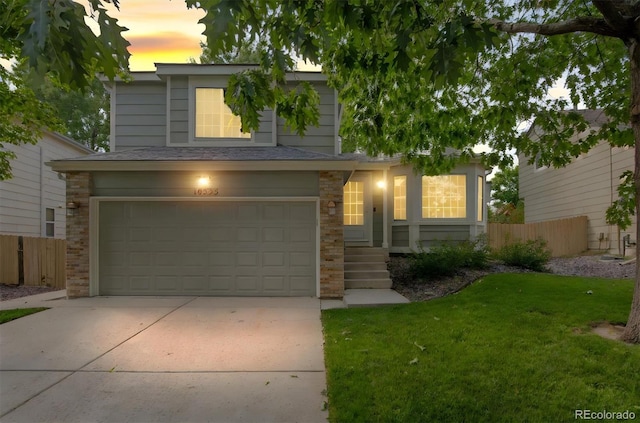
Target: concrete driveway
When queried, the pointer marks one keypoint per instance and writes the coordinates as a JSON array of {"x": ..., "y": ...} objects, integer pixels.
[{"x": 178, "y": 359}]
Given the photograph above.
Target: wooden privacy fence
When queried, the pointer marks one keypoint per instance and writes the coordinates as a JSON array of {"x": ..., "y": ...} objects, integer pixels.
[
  {"x": 35, "y": 261},
  {"x": 564, "y": 237}
]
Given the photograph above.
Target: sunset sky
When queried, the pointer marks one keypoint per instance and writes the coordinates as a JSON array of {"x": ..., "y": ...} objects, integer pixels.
[{"x": 162, "y": 31}]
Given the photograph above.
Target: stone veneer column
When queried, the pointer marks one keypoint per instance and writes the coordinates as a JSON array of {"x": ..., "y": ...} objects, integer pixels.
[
  {"x": 331, "y": 236},
  {"x": 78, "y": 191}
]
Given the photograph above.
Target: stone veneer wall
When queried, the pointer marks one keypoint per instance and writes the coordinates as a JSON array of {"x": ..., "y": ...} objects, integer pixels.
[
  {"x": 331, "y": 236},
  {"x": 78, "y": 191}
]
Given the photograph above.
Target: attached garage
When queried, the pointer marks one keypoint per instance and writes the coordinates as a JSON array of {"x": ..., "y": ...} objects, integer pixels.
[{"x": 221, "y": 247}]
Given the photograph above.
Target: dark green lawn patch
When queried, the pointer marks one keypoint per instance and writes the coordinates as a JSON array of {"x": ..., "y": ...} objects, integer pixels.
[
  {"x": 512, "y": 347},
  {"x": 9, "y": 315}
]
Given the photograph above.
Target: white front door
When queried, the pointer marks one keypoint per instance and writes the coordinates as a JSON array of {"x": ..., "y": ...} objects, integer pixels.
[{"x": 358, "y": 210}]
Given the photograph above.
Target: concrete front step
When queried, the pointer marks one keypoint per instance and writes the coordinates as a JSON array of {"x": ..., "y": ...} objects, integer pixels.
[
  {"x": 365, "y": 251},
  {"x": 372, "y": 297},
  {"x": 366, "y": 268},
  {"x": 366, "y": 258},
  {"x": 367, "y": 283},
  {"x": 366, "y": 274},
  {"x": 364, "y": 265}
]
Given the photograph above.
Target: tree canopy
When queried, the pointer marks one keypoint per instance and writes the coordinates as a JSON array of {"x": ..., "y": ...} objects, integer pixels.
[
  {"x": 507, "y": 206},
  {"x": 53, "y": 40}
]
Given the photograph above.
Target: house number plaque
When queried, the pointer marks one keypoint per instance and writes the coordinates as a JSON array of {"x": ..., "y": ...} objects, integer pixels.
[{"x": 205, "y": 192}]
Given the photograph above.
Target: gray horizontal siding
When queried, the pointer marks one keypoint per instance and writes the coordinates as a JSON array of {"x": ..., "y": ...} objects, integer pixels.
[
  {"x": 320, "y": 138},
  {"x": 140, "y": 115},
  {"x": 179, "y": 110},
  {"x": 585, "y": 187},
  {"x": 400, "y": 236},
  {"x": 229, "y": 184},
  {"x": 435, "y": 235},
  {"x": 34, "y": 188}
]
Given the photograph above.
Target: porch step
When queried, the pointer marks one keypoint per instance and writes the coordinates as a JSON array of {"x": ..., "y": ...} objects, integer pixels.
[
  {"x": 366, "y": 268},
  {"x": 367, "y": 283},
  {"x": 356, "y": 266}
]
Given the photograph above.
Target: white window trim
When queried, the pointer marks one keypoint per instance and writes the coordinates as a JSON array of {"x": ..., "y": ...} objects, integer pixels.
[
  {"x": 444, "y": 220},
  {"x": 210, "y": 82}
]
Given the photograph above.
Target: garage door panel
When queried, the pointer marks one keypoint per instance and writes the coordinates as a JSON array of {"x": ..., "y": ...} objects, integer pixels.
[
  {"x": 167, "y": 259},
  {"x": 195, "y": 284},
  {"x": 275, "y": 212},
  {"x": 247, "y": 259},
  {"x": 140, "y": 258},
  {"x": 140, "y": 283},
  {"x": 302, "y": 234},
  {"x": 248, "y": 284},
  {"x": 207, "y": 248},
  {"x": 222, "y": 258},
  {"x": 299, "y": 284},
  {"x": 246, "y": 234},
  {"x": 220, "y": 284},
  {"x": 273, "y": 235},
  {"x": 273, "y": 259},
  {"x": 275, "y": 283},
  {"x": 247, "y": 212},
  {"x": 194, "y": 258},
  {"x": 167, "y": 283},
  {"x": 221, "y": 234}
]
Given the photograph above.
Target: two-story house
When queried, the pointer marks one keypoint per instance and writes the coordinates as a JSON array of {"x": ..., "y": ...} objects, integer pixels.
[{"x": 187, "y": 204}]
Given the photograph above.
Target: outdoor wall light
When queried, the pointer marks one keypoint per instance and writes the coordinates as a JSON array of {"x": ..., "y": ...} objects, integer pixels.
[
  {"x": 204, "y": 182},
  {"x": 332, "y": 208},
  {"x": 381, "y": 184},
  {"x": 72, "y": 208}
]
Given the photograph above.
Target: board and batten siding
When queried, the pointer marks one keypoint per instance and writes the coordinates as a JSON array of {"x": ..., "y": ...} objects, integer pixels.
[
  {"x": 585, "y": 187},
  {"x": 34, "y": 187},
  {"x": 140, "y": 115},
  {"x": 227, "y": 184}
]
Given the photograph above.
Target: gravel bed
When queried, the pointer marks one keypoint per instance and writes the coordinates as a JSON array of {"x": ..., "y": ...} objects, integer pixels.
[
  {"x": 415, "y": 290},
  {"x": 11, "y": 292}
]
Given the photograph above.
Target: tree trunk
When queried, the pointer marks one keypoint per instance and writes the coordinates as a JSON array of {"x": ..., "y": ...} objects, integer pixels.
[{"x": 632, "y": 330}]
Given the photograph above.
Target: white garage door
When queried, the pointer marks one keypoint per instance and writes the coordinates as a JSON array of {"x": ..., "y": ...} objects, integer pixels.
[{"x": 246, "y": 248}]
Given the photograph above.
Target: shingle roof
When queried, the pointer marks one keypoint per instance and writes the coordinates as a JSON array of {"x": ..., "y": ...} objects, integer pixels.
[{"x": 280, "y": 153}]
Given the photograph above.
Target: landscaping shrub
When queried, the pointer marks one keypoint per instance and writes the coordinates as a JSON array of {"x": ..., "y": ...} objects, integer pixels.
[
  {"x": 447, "y": 258},
  {"x": 532, "y": 254}
]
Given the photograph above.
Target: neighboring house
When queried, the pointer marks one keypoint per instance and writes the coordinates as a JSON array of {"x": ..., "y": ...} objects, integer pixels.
[
  {"x": 585, "y": 187},
  {"x": 187, "y": 204},
  {"x": 32, "y": 202}
]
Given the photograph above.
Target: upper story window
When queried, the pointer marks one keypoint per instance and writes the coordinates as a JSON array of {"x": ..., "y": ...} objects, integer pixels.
[
  {"x": 213, "y": 118},
  {"x": 444, "y": 197}
]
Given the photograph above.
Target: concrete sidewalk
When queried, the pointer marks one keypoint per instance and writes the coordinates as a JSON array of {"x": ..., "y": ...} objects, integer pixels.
[{"x": 165, "y": 359}]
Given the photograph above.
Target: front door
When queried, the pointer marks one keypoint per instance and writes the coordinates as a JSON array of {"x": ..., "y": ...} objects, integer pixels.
[{"x": 358, "y": 210}]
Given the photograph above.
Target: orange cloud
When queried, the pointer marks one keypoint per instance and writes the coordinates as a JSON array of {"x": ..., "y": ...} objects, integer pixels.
[{"x": 165, "y": 47}]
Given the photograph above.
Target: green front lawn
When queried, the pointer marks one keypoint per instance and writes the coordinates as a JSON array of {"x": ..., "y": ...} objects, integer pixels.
[
  {"x": 9, "y": 315},
  {"x": 512, "y": 347}
]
